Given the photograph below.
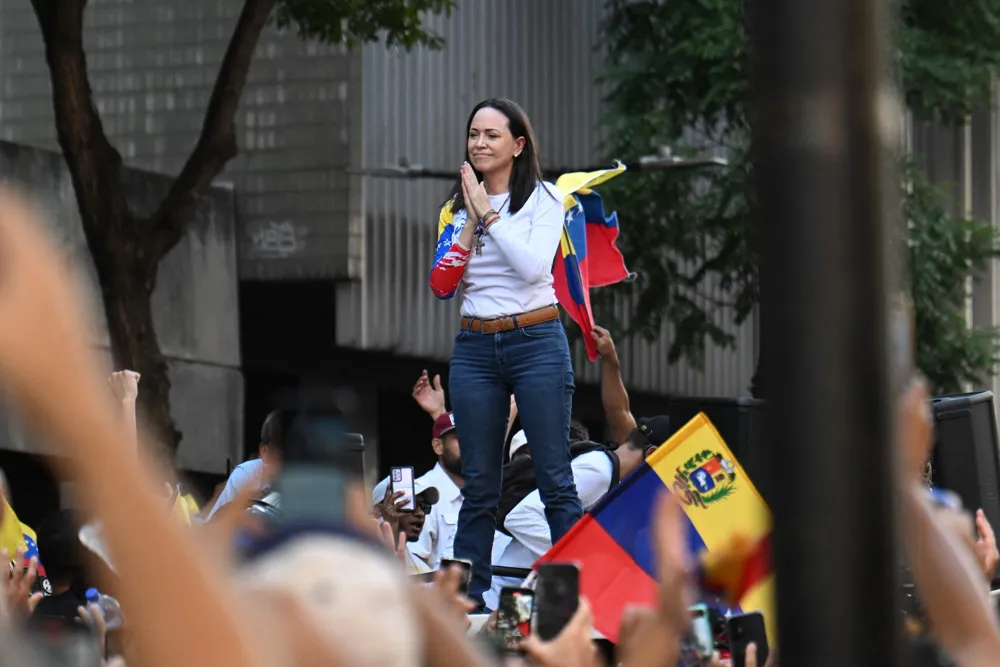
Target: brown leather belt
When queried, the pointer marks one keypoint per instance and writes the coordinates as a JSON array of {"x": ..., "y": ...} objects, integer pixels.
[{"x": 511, "y": 322}]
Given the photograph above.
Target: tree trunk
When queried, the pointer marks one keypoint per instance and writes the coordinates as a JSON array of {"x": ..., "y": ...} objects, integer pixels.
[
  {"x": 127, "y": 282},
  {"x": 126, "y": 250}
]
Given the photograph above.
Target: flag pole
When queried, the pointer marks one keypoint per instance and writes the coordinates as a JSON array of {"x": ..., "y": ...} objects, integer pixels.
[{"x": 821, "y": 143}]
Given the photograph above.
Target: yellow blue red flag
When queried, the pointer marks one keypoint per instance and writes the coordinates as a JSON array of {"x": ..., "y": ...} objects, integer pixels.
[
  {"x": 588, "y": 255},
  {"x": 612, "y": 545}
]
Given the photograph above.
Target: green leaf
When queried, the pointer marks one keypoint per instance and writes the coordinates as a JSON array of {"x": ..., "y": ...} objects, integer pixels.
[
  {"x": 352, "y": 22},
  {"x": 677, "y": 75}
]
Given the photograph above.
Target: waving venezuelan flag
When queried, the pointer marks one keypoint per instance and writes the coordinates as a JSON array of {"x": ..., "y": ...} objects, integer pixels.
[
  {"x": 587, "y": 255},
  {"x": 14, "y": 535},
  {"x": 729, "y": 529}
]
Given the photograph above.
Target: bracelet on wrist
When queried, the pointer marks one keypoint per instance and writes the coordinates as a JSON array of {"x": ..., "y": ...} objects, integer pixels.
[{"x": 490, "y": 218}]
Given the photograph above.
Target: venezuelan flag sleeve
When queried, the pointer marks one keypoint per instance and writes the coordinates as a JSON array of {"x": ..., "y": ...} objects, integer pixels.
[
  {"x": 588, "y": 255},
  {"x": 612, "y": 544},
  {"x": 450, "y": 257}
]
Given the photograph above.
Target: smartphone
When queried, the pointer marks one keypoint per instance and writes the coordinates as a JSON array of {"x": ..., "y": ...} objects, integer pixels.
[
  {"x": 747, "y": 629},
  {"x": 517, "y": 608},
  {"x": 402, "y": 480},
  {"x": 466, "y": 565},
  {"x": 557, "y": 595},
  {"x": 702, "y": 639},
  {"x": 318, "y": 468}
]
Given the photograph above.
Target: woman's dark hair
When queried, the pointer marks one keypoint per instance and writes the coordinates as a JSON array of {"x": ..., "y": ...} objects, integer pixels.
[{"x": 527, "y": 170}]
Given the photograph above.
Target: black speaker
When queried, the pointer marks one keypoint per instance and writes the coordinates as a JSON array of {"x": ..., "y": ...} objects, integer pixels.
[
  {"x": 740, "y": 422},
  {"x": 965, "y": 458}
]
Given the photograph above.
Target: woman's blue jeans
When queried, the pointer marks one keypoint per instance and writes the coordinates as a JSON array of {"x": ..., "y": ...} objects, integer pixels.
[{"x": 532, "y": 363}]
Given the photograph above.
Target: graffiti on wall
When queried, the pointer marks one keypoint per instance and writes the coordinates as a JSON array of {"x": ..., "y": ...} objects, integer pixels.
[{"x": 276, "y": 240}]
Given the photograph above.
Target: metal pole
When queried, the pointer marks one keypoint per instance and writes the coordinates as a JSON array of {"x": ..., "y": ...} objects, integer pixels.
[{"x": 825, "y": 186}]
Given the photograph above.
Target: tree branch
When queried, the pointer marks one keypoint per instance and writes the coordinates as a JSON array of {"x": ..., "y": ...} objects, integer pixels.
[
  {"x": 94, "y": 164},
  {"x": 217, "y": 144}
]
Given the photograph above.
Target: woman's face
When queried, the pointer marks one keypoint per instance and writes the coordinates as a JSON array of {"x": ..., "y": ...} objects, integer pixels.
[{"x": 491, "y": 146}]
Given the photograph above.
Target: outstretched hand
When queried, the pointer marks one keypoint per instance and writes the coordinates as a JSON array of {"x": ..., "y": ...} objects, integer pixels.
[
  {"x": 447, "y": 584},
  {"x": 19, "y": 600},
  {"x": 985, "y": 547},
  {"x": 430, "y": 397},
  {"x": 605, "y": 343}
]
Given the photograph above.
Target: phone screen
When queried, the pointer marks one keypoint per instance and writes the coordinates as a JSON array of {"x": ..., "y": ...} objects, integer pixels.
[
  {"x": 557, "y": 596},
  {"x": 747, "y": 629},
  {"x": 466, "y": 566},
  {"x": 402, "y": 480},
  {"x": 701, "y": 639},
  {"x": 517, "y": 606}
]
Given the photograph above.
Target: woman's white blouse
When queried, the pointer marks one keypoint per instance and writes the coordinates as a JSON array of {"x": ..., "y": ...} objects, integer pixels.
[{"x": 514, "y": 272}]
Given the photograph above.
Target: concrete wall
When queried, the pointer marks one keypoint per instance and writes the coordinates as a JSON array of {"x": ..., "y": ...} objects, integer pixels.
[
  {"x": 152, "y": 66},
  {"x": 194, "y": 305}
]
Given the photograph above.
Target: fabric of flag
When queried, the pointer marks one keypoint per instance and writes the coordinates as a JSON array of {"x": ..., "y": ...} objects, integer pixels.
[
  {"x": 11, "y": 535},
  {"x": 612, "y": 543},
  {"x": 587, "y": 255},
  {"x": 31, "y": 548}
]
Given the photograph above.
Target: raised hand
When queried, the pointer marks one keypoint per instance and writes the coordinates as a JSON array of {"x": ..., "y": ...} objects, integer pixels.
[
  {"x": 985, "y": 547},
  {"x": 124, "y": 385},
  {"x": 93, "y": 618},
  {"x": 605, "y": 344},
  {"x": 673, "y": 561},
  {"x": 446, "y": 586},
  {"x": 430, "y": 397},
  {"x": 18, "y": 599}
]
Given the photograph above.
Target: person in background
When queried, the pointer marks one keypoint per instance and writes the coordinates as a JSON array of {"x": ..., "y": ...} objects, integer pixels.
[
  {"x": 522, "y": 535},
  {"x": 58, "y": 539},
  {"x": 412, "y": 524},
  {"x": 438, "y": 538},
  {"x": 409, "y": 522},
  {"x": 614, "y": 397},
  {"x": 256, "y": 471}
]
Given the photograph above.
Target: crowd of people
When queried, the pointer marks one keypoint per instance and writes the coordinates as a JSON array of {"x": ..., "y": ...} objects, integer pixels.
[{"x": 142, "y": 575}]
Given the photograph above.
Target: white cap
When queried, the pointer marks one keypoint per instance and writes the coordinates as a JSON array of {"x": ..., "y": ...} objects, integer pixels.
[
  {"x": 378, "y": 493},
  {"x": 519, "y": 440}
]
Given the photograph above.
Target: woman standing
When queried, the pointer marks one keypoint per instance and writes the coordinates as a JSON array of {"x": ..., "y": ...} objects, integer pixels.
[{"x": 498, "y": 236}]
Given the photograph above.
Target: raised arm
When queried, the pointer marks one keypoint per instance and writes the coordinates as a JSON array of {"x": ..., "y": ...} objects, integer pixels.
[
  {"x": 614, "y": 397},
  {"x": 125, "y": 388},
  {"x": 451, "y": 256},
  {"x": 56, "y": 379},
  {"x": 532, "y": 257}
]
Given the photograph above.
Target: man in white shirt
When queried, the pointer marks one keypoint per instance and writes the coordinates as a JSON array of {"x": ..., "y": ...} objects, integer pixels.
[
  {"x": 527, "y": 533},
  {"x": 256, "y": 471},
  {"x": 437, "y": 539}
]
